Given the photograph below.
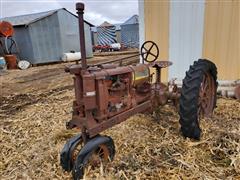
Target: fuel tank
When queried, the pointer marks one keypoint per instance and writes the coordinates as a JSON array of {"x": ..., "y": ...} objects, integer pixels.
[{"x": 140, "y": 74}]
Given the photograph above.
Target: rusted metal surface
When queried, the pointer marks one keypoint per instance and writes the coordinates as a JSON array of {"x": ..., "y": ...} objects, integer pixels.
[
  {"x": 101, "y": 154},
  {"x": 237, "y": 92},
  {"x": 119, "y": 118},
  {"x": 11, "y": 61},
  {"x": 80, "y": 12},
  {"x": 206, "y": 96},
  {"x": 161, "y": 64},
  {"x": 8, "y": 45},
  {"x": 6, "y": 29},
  {"x": 98, "y": 150},
  {"x": 107, "y": 94}
]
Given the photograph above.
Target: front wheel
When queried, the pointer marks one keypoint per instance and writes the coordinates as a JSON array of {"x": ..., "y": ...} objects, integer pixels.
[
  {"x": 97, "y": 151},
  {"x": 198, "y": 96}
]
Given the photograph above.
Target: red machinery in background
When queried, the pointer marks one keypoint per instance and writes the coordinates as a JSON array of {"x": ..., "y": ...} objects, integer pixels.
[
  {"x": 107, "y": 48},
  {"x": 7, "y": 43},
  {"x": 6, "y": 29},
  {"x": 101, "y": 48},
  {"x": 8, "y": 46}
]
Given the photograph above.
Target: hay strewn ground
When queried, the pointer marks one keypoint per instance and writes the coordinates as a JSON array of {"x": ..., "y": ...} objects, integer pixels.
[{"x": 33, "y": 133}]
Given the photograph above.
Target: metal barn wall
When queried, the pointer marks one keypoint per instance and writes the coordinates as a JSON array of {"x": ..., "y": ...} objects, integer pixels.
[
  {"x": 95, "y": 38},
  {"x": 68, "y": 24},
  {"x": 106, "y": 35},
  {"x": 46, "y": 40},
  {"x": 130, "y": 35},
  {"x": 186, "y": 35},
  {"x": 156, "y": 20},
  {"x": 92, "y": 37},
  {"x": 118, "y": 36},
  {"x": 24, "y": 42},
  {"x": 221, "y": 37}
]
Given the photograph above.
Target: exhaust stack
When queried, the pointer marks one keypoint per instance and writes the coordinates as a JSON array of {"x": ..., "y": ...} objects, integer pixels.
[{"x": 80, "y": 9}]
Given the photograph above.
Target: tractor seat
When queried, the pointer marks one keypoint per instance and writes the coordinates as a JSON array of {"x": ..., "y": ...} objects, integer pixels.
[{"x": 161, "y": 64}]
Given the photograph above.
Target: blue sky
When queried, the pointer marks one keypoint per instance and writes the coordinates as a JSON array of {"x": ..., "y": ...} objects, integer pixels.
[{"x": 96, "y": 11}]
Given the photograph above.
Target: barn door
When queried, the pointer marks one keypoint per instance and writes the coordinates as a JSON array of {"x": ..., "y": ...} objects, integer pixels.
[{"x": 186, "y": 35}]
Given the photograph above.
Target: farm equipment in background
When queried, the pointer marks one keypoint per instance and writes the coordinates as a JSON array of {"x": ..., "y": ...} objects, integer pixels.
[
  {"x": 108, "y": 94},
  {"x": 7, "y": 43},
  {"x": 107, "y": 48},
  {"x": 101, "y": 48}
]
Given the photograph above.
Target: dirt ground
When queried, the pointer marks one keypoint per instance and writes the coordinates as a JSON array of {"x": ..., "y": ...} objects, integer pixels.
[{"x": 36, "y": 104}]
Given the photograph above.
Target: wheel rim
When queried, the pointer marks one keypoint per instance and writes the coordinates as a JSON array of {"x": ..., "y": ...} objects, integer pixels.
[
  {"x": 93, "y": 158},
  {"x": 206, "y": 96},
  {"x": 99, "y": 156},
  {"x": 75, "y": 152}
]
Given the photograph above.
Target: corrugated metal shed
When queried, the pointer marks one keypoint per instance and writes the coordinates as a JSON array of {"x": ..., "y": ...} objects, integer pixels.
[
  {"x": 118, "y": 27},
  {"x": 28, "y": 18},
  {"x": 131, "y": 20},
  {"x": 130, "y": 32},
  {"x": 117, "y": 30},
  {"x": 106, "y": 34},
  {"x": 44, "y": 37}
]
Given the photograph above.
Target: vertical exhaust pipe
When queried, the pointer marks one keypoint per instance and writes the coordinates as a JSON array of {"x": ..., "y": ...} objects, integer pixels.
[{"x": 80, "y": 9}]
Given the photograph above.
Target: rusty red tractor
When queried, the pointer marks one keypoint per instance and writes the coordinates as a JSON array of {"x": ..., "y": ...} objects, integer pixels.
[{"x": 107, "y": 94}]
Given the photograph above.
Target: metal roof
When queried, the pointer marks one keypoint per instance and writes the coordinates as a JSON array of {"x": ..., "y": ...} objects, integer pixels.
[
  {"x": 31, "y": 18},
  {"x": 118, "y": 28},
  {"x": 28, "y": 18},
  {"x": 131, "y": 20},
  {"x": 106, "y": 24}
]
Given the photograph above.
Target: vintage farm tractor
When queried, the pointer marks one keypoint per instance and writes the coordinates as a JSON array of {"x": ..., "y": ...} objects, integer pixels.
[{"x": 107, "y": 94}]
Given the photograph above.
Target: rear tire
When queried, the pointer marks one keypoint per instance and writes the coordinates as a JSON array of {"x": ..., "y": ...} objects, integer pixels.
[{"x": 191, "y": 104}]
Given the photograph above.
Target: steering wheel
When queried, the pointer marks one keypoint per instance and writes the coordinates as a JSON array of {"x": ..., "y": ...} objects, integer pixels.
[{"x": 146, "y": 51}]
